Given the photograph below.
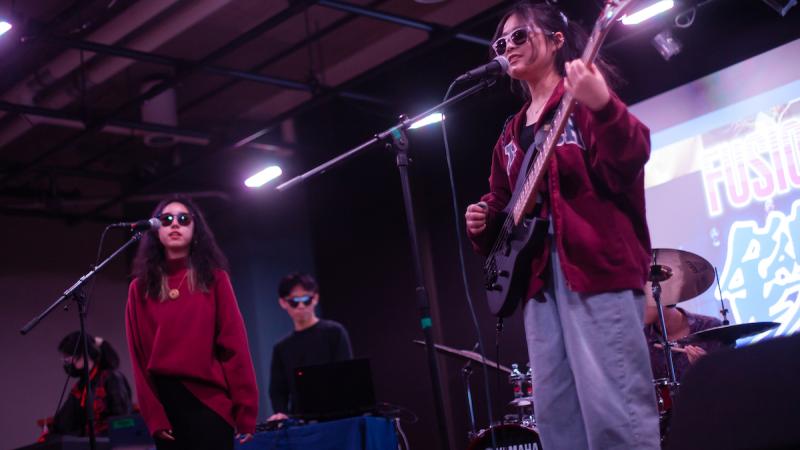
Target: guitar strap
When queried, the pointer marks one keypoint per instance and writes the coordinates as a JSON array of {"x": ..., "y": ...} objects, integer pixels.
[{"x": 533, "y": 150}]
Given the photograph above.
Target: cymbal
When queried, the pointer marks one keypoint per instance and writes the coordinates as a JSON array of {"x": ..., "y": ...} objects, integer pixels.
[
  {"x": 521, "y": 402},
  {"x": 681, "y": 274},
  {"x": 728, "y": 334},
  {"x": 467, "y": 354}
]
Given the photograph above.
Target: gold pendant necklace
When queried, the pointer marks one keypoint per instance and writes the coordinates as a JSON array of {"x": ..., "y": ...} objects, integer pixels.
[{"x": 175, "y": 293}]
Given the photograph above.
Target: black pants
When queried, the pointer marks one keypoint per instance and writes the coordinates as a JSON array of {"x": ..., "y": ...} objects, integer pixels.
[{"x": 194, "y": 425}]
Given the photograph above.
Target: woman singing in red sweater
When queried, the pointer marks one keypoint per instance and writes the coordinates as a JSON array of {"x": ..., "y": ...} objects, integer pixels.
[{"x": 194, "y": 377}]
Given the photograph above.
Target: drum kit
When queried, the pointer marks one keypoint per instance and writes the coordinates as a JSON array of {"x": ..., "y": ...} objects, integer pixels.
[
  {"x": 675, "y": 276},
  {"x": 517, "y": 428}
]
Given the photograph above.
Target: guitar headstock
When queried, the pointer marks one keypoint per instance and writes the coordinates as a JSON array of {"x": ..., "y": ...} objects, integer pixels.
[{"x": 613, "y": 10}]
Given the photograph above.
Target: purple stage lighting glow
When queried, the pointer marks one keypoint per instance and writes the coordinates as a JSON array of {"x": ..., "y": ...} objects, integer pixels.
[{"x": 4, "y": 27}]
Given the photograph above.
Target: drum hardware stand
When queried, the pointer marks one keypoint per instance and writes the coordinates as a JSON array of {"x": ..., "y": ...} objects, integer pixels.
[
  {"x": 723, "y": 310},
  {"x": 75, "y": 292},
  {"x": 498, "y": 332},
  {"x": 466, "y": 372},
  {"x": 659, "y": 273}
]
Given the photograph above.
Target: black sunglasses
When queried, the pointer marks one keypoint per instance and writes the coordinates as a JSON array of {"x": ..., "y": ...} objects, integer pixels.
[
  {"x": 294, "y": 301},
  {"x": 184, "y": 219}
]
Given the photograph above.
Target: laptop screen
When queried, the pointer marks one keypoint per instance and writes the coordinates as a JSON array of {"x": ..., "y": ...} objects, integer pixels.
[{"x": 334, "y": 390}]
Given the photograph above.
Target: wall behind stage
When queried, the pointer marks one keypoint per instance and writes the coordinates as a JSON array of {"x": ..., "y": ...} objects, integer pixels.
[{"x": 263, "y": 237}]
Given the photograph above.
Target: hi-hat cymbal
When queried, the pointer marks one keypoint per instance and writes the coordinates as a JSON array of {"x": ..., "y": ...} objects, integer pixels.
[
  {"x": 728, "y": 334},
  {"x": 681, "y": 274},
  {"x": 521, "y": 402},
  {"x": 467, "y": 354}
]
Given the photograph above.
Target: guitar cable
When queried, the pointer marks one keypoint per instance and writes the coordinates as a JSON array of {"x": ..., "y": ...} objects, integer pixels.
[{"x": 460, "y": 244}]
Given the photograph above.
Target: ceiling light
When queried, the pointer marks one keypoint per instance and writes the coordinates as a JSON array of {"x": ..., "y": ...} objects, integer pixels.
[
  {"x": 263, "y": 177},
  {"x": 646, "y": 13},
  {"x": 427, "y": 120},
  {"x": 4, "y": 27}
]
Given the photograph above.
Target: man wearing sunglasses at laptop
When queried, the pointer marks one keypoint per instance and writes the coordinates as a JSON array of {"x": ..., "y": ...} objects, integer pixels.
[{"x": 314, "y": 341}]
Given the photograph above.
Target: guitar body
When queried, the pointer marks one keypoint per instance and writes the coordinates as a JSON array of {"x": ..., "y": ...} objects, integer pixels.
[{"x": 508, "y": 268}]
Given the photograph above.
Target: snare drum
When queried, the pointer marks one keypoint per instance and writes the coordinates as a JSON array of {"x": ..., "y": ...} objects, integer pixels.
[
  {"x": 664, "y": 392},
  {"x": 663, "y": 395},
  {"x": 507, "y": 436}
]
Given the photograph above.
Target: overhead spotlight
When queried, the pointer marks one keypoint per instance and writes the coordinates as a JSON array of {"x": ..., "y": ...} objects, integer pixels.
[
  {"x": 646, "y": 13},
  {"x": 427, "y": 120},
  {"x": 781, "y": 6},
  {"x": 4, "y": 27},
  {"x": 263, "y": 177},
  {"x": 667, "y": 44}
]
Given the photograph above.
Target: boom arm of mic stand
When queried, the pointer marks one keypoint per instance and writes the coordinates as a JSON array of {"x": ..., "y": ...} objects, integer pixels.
[
  {"x": 75, "y": 287},
  {"x": 384, "y": 135}
]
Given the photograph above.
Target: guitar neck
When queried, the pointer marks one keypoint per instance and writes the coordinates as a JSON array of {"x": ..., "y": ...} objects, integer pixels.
[{"x": 527, "y": 200}]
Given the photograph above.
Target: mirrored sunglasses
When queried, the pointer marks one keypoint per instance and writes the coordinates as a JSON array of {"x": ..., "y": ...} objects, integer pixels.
[{"x": 294, "y": 301}]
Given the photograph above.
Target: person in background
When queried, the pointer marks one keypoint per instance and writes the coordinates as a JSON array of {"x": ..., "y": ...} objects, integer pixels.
[
  {"x": 112, "y": 394},
  {"x": 680, "y": 323},
  {"x": 191, "y": 361},
  {"x": 313, "y": 341}
]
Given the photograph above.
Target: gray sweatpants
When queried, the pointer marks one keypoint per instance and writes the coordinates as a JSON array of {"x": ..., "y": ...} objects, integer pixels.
[{"x": 592, "y": 381}]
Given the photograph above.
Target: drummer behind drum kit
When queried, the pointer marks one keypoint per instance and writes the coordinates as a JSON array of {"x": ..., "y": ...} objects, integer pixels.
[{"x": 675, "y": 276}]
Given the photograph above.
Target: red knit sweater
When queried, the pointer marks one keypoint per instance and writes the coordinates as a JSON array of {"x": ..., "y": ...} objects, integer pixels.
[{"x": 198, "y": 337}]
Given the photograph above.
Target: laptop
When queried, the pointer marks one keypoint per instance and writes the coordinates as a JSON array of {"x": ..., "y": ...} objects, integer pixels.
[
  {"x": 129, "y": 433},
  {"x": 334, "y": 390}
]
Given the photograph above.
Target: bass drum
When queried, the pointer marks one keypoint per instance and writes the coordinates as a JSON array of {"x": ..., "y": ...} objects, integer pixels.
[{"x": 507, "y": 436}]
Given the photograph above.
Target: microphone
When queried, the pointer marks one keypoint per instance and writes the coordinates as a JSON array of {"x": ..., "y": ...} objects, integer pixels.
[
  {"x": 493, "y": 69},
  {"x": 141, "y": 225}
]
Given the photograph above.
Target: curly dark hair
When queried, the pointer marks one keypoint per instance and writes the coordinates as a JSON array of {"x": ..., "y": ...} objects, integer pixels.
[
  {"x": 551, "y": 20},
  {"x": 288, "y": 283},
  {"x": 149, "y": 266},
  {"x": 103, "y": 355}
]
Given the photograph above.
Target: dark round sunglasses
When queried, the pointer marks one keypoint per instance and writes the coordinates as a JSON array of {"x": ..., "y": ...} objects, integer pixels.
[{"x": 184, "y": 219}]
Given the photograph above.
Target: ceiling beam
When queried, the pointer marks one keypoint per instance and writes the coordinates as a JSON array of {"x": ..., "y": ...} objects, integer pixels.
[
  {"x": 435, "y": 40},
  {"x": 96, "y": 124},
  {"x": 400, "y": 20},
  {"x": 310, "y": 39}
]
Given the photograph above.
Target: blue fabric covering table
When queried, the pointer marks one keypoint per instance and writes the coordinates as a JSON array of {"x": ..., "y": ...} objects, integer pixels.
[{"x": 357, "y": 433}]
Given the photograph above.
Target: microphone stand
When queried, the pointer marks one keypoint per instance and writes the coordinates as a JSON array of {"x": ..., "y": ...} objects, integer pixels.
[
  {"x": 395, "y": 138},
  {"x": 75, "y": 292}
]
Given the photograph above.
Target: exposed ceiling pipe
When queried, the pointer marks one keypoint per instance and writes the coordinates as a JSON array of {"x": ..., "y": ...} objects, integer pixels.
[
  {"x": 84, "y": 202},
  {"x": 122, "y": 131},
  {"x": 132, "y": 18},
  {"x": 187, "y": 16}
]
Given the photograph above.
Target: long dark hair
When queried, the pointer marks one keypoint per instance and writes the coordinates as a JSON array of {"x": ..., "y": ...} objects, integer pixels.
[
  {"x": 551, "y": 20},
  {"x": 103, "y": 354},
  {"x": 150, "y": 265}
]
